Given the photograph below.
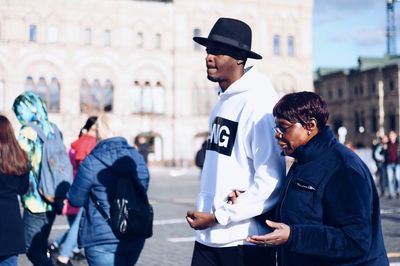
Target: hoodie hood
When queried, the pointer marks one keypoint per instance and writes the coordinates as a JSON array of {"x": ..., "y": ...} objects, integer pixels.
[
  {"x": 115, "y": 153},
  {"x": 241, "y": 85},
  {"x": 30, "y": 108}
]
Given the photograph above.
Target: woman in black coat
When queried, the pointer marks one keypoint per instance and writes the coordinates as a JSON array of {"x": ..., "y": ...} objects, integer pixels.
[
  {"x": 328, "y": 213},
  {"x": 14, "y": 180}
]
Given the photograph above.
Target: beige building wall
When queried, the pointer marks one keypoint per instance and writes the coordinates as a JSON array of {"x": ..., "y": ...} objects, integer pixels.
[{"x": 164, "y": 54}]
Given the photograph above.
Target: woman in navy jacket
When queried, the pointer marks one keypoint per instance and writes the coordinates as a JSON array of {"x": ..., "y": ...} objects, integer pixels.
[
  {"x": 14, "y": 180},
  {"x": 97, "y": 175},
  {"x": 329, "y": 210}
]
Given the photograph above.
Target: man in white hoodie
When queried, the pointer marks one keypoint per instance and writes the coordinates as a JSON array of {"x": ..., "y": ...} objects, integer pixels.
[{"x": 243, "y": 163}]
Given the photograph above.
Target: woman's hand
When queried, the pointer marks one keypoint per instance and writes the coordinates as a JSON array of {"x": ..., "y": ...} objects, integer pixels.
[
  {"x": 278, "y": 237},
  {"x": 232, "y": 197},
  {"x": 200, "y": 220}
]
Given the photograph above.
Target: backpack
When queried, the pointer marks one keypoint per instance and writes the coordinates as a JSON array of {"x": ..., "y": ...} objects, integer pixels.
[
  {"x": 131, "y": 215},
  {"x": 200, "y": 156},
  {"x": 56, "y": 173}
]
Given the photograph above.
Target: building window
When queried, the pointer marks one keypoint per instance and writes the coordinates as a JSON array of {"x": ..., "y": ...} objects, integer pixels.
[
  {"x": 52, "y": 34},
  {"x": 32, "y": 33},
  {"x": 391, "y": 85},
  {"x": 392, "y": 121},
  {"x": 139, "y": 42},
  {"x": 196, "y": 33},
  {"x": 290, "y": 46},
  {"x": 373, "y": 88},
  {"x": 2, "y": 96},
  {"x": 107, "y": 38},
  {"x": 330, "y": 94},
  {"x": 157, "y": 40},
  {"x": 48, "y": 91},
  {"x": 361, "y": 88},
  {"x": 87, "y": 36},
  {"x": 277, "y": 45},
  {"x": 147, "y": 98},
  {"x": 95, "y": 96},
  {"x": 340, "y": 92},
  {"x": 203, "y": 99},
  {"x": 374, "y": 120}
]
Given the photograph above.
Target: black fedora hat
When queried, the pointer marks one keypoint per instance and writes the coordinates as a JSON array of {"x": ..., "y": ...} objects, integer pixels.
[{"x": 231, "y": 32}]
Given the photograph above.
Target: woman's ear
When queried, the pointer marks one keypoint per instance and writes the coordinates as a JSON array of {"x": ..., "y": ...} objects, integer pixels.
[{"x": 312, "y": 124}]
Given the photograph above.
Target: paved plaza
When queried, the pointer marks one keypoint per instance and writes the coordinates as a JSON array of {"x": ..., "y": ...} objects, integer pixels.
[{"x": 172, "y": 193}]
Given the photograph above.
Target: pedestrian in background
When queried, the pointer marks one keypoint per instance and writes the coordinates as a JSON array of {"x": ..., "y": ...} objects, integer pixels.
[
  {"x": 14, "y": 181},
  {"x": 39, "y": 214},
  {"x": 97, "y": 175},
  {"x": 392, "y": 157},
  {"x": 329, "y": 213},
  {"x": 241, "y": 157},
  {"x": 65, "y": 247},
  {"x": 379, "y": 147}
]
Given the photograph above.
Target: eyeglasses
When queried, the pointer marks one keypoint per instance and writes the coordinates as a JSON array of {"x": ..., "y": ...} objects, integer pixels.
[{"x": 281, "y": 130}]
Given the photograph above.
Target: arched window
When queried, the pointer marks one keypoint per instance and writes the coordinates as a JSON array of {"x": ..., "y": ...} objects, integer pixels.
[
  {"x": 139, "y": 41},
  {"x": 203, "y": 99},
  {"x": 277, "y": 44},
  {"x": 52, "y": 34},
  {"x": 107, "y": 38},
  {"x": 197, "y": 33},
  {"x": 147, "y": 98},
  {"x": 32, "y": 33},
  {"x": 290, "y": 45},
  {"x": 48, "y": 91},
  {"x": 2, "y": 96},
  {"x": 95, "y": 96},
  {"x": 157, "y": 43},
  {"x": 87, "y": 36},
  {"x": 158, "y": 99}
]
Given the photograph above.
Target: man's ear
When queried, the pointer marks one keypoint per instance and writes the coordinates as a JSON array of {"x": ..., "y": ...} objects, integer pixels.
[{"x": 312, "y": 124}]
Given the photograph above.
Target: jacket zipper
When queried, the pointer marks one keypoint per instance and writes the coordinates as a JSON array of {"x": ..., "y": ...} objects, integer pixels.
[{"x": 283, "y": 200}]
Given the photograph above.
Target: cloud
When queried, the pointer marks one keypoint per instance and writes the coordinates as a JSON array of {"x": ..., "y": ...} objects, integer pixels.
[
  {"x": 362, "y": 37},
  {"x": 326, "y": 11}
]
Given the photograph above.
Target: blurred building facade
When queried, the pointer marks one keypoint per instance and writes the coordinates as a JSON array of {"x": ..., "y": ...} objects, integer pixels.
[
  {"x": 137, "y": 61},
  {"x": 364, "y": 100}
]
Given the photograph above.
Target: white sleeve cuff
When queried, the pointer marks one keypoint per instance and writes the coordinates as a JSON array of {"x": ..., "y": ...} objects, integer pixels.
[{"x": 222, "y": 216}]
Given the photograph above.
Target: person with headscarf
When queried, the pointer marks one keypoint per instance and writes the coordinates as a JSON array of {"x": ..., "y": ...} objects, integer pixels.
[{"x": 39, "y": 215}]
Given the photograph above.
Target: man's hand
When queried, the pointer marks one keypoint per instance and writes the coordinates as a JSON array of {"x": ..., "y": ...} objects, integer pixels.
[
  {"x": 200, "y": 220},
  {"x": 278, "y": 237}
]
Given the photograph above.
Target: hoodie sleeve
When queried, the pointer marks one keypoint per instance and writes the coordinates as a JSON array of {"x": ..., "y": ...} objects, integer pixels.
[
  {"x": 269, "y": 168},
  {"x": 347, "y": 229},
  {"x": 78, "y": 194}
]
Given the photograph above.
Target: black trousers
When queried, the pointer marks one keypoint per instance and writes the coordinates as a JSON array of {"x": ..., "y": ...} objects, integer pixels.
[{"x": 243, "y": 255}]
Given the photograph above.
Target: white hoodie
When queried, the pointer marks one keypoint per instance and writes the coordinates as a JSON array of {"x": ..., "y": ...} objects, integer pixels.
[{"x": 242, "y": 154}]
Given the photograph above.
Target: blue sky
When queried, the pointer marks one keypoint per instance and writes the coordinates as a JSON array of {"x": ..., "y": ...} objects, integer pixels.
[{"x": 343, "y": 30}]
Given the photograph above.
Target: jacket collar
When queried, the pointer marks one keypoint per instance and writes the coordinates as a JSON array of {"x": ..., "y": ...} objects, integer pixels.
[{"x": 315, "y": 147}]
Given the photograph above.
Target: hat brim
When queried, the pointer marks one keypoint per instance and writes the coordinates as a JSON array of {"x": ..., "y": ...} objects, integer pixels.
[{"x": 204, "y": 41}]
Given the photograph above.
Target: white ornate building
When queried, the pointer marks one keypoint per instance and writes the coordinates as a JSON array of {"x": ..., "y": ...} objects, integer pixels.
[{"x": 137, "y": 60}]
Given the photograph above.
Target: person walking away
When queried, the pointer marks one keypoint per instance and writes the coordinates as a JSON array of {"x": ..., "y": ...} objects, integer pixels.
[
  {"x": 39, "y": 214},
  {"x": 329, "y": 213},
  {"x": 66, "y": 245},
  {"x": 392, "y": 164},
  {"x": 241, "y": 157},
  {"x": 97, "y": 175},
  {"x": 14, "y": 181},
  {"x": 378, "y": 155}
]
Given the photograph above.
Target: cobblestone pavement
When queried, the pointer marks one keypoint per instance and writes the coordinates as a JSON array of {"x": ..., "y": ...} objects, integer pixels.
[{"x": 173, "y": 192}]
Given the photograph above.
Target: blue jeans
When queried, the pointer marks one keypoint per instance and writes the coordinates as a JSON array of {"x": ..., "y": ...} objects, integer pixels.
[
  {"x": 393, "y": 172},
  {"x": 69, "y": 240},
  {"x": 120, "y": 254},
  {"x": 9, "y": 261},
  {"x": 37, "y": 230}
]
